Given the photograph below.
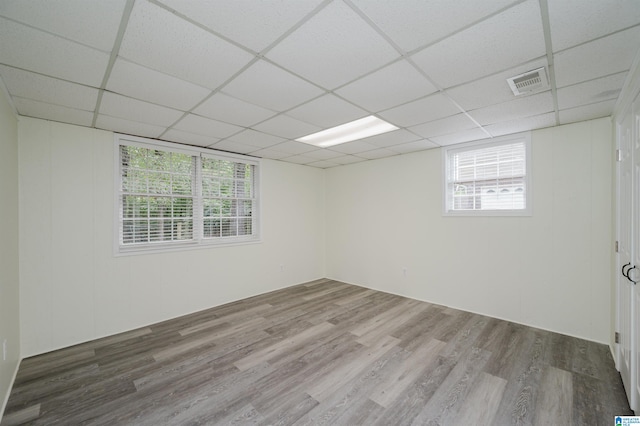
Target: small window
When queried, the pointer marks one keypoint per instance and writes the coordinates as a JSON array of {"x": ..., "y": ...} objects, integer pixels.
[
  {"x": 488, "y": 178},
  {"x": 171, "y": 196}
]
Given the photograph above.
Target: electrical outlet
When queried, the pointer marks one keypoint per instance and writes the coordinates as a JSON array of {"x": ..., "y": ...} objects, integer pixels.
[
  {"x": 4, "y": 350},
  {"x": 404, "y": 272},
  {"x": 281, "y": 268}
]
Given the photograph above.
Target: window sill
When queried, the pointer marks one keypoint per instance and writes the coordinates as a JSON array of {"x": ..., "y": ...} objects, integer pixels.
[
  {"x": 167, "y": 248},
  {"x": 488, "y": 213}
]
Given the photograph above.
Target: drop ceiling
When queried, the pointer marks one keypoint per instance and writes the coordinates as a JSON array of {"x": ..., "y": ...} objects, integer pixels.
[{"x": 250, "y": 76}]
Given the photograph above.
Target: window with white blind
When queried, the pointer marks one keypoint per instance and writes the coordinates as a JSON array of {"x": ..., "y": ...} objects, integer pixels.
[
  {"x": 228, "y": 198},
  {"x": 171, "y": 196},
  {"x": 488, "y": 178}
]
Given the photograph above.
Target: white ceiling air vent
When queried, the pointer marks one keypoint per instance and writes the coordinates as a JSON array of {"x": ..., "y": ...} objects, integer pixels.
[{"x": 529, "y": 82}]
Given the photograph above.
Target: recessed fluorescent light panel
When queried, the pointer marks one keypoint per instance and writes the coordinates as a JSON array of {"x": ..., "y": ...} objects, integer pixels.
[{"x": 359, "y": 129}]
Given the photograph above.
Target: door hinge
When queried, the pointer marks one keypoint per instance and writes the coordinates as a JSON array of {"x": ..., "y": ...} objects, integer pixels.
[
  {"x": 617, "y": 337},
  {"x": 618, "y": 155},
  {"x": 617, "y": 247}
]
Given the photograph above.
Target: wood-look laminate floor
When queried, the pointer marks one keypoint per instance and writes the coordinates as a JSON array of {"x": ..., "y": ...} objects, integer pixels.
[{"x": 323, "y": 353}]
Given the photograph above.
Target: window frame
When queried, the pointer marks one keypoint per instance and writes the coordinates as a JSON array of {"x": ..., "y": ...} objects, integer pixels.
[
  {"x": 198, "y": 241},
  {"x": 474, "y": 145}
]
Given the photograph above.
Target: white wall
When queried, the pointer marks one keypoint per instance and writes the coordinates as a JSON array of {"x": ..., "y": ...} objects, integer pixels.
[
  {"x": 9, "y": 285},
  {"x": 551, "y": 270},
  {"x": 72, "y": 287}
]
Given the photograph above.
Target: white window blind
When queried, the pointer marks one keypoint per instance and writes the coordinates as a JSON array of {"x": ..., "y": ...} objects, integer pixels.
[
  {"x": 228, "y": 196},
  {"x": 158, "y": 189},
  {"x": 488, "y": 177},
  {"x": 172, "y": 197}
]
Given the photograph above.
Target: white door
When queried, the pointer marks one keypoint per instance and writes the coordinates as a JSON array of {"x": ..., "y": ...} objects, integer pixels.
[
  {"x": 633, "y": 273},
  {"x": 626, "y": 358}
]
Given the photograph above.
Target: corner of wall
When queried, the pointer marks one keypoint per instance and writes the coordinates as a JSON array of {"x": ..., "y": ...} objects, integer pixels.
[
  {"x": 324, "y": 222},
  {"x": 9, "y": 248}
]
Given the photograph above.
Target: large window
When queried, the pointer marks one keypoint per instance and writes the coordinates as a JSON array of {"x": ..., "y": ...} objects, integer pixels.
[
  {"x": 488, "y": 178},
  {"x": 171, "y": 196}
]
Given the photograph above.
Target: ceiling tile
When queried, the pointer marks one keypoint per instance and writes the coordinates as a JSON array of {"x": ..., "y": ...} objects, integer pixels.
[
  {"x": 598, "y": 58},
  {"x": 254, "y": 24},
  {"x": 459, "y": 137},
  {"x": 589, "y": 92},
  {"x": 377, "y": 153},
  {"x": 323, "y": 164},
  {"x": 415, "y": 146},
  {"x": 323, "y": 154},
  {"x": 287, "y": 127},
  {"x": 162, "y": 41},
  {"x": 271, "y": 87},
  {"x": 500, "y": 42},
  {"x": 233, "y": 146},
  {"x": 49, "y": 90},
  {"x": 451, "y": 124},
  {"x": 331, "y": 62},
  {"x": 226, "y": 108},
  {"x": 333, "y": 48},
  {"x": 134, "y": 110},
  {"x": 493, "y": 89},
  {"x": 392, "y": 138},
  {"x": 129, "y": 127},
  {"x": 354, "y": 147},
  {"x": 37, "y": 109},
  {"x": 518, "y": 108},
  {"x": 257, "y": 139},
  {"x": 421, "y": 111},
  {"x": 34, "y": 50},
  {"x": 138, "y": 82},
  {"x": 295, "y": 148},
  {"x": 522, "y": 124},
  {"x": 188, "y": 138},
  {"x": 393, "y": 85},
  {"x": 587, "y": 112},
  {"x": 415, "y": 23},
  {"x": 299, "y": 159},
  {"x": 270, "y": 153},
  {"x": 204, "y": 126},
  {"x": 348, "y": 159},
  {"x": 327, "y": 111},
  {"x": 91, "y": 22},
  {"x": 573, "y": 22}
]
